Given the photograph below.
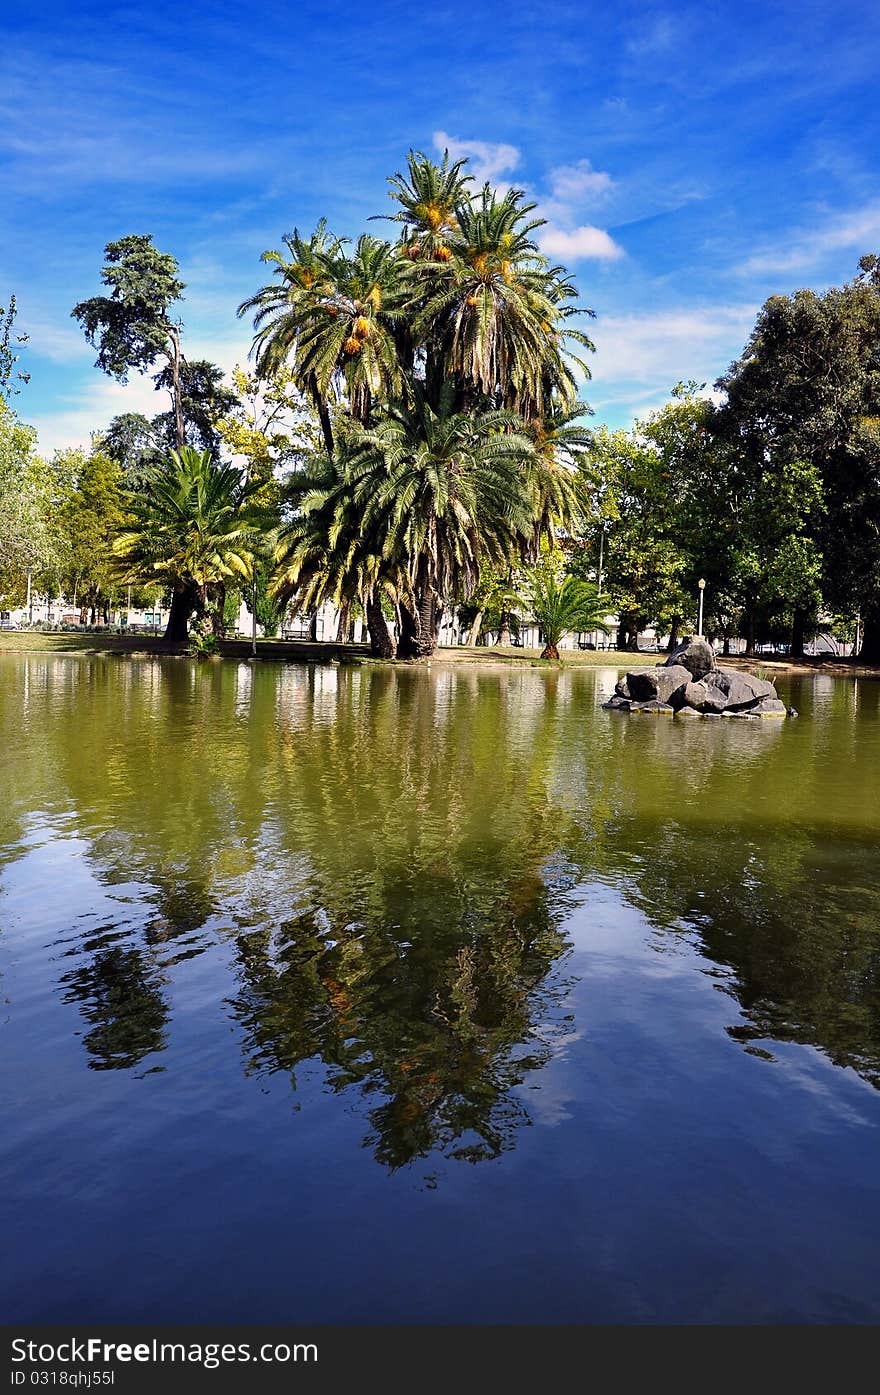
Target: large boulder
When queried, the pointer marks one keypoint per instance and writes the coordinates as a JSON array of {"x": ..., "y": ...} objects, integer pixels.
[
  {"x": 665, "y": 683},
  {"x": 723, "y": 690},
  {"x": 693, "y": 654}
]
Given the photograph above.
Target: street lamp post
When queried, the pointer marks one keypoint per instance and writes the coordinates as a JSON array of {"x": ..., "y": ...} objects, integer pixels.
[
  {"x": 254, "y": 619},
  {"x": 702, "y": 585},
  {"x": 30, "y": 607}
]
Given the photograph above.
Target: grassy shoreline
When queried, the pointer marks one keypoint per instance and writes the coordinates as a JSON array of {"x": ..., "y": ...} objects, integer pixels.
[{"x": 304, "y": 651}]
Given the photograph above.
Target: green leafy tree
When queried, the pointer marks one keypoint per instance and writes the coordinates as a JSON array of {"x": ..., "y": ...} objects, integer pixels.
[
  {"x": 805, "y": 395},
  {"x": 133, "y": 327},
  {"x": 90, "y": 513},
  {"x": 27, "y": 537}
]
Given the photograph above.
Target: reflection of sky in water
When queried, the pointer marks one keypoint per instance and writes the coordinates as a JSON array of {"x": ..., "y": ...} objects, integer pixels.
[{"x": 380, "y": 965}]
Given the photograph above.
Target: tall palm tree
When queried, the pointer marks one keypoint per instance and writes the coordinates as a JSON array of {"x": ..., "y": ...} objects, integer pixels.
[
  {"x": 493, "y": 312},
  {"x": 332, "y": 318},
  {"x": 194, "y": 526},
  {"x": 445, "y": 492},
  {"x": 563, "y": 607}
]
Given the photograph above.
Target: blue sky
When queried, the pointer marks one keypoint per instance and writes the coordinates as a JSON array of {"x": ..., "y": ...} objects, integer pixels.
[{"x": 691, "y": 159}]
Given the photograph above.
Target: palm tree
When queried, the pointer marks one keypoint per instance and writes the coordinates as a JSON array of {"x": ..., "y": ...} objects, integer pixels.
[
  {"x": 333, "y": 319},
  {"x": 445, "y": 492},
  {"x": 561, "y": 607},
  {"x": 324, "y": 552},
  {"x": 491, "y": 313},
  {"x": 194, "y": 526}
]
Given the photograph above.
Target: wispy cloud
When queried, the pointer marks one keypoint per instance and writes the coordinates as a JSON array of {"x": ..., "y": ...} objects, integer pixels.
[
  {"x": 487, "y": 159},
  {"x": 92, "y": 408},
  {"x": 640, "y": 357},
  {"x": 859, "y": 229}
]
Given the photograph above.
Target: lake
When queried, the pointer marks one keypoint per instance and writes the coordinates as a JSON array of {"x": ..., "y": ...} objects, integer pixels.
[{"x": 363, "y": 995}]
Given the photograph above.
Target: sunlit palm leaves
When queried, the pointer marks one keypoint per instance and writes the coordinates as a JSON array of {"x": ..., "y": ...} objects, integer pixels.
[{"x": 195, "y": 524}]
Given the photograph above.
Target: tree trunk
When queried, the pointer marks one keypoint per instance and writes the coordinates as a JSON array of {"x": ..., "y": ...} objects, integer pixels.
[
  {"x": 342, "y": 627},
  {"x": 183, "y": 603},
  {"x": 673, "y": 633},
  {"x": 750, "y": 632},
  {"x": 217, "y": 609},
  {"x": 504, "y": 628},
  {"x": 726, "y": 647},
  {"x": 870, "y": 650},
  {"x": 174, "y": 336},
  {"x": 476, "y": 627},
  {"x": 550, "y": 652},
  {"x": 323, "y": 414},
  {"x": 797, "y": 633},
  {"x": 313, "y": 628},
  {"x": 622, "y": 636},
  {"x": 381, "y": 643}
]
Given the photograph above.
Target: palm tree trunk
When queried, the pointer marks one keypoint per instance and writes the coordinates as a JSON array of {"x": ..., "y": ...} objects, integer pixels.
[
  {"x": 549, "y": 652},
  {"x": 323, "y": 415},
  {"x": 183, "y": 603},
  {"x": 218, "y": 608},
  {"x": 342, "y": 626},
  {"x": 381, "y": 643},
  {"x": 504, "y": 628}
]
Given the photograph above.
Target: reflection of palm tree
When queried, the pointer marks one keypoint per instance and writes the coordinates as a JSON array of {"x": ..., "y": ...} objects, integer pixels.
[
  {"x": 425, "y": 961},
  {"x": 120, "y": 994}
]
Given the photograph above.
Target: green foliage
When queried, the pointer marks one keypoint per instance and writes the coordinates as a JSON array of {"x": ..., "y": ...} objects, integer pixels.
[
  {"x": 439, "y": 369},
  {"x": 196, "y": 526},
  {"x": 89, "y": 514},
  {"x": 564, "y": 606},
  {"x": 10, "y": 377},
  {"x": 26, "y": 506},
  {"x": 129, "y": 328},
  {"x": 205, "y": 400},
  {"x": 805, "y": 398}
]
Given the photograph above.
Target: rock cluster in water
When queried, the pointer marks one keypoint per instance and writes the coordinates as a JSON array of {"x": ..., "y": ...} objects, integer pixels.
[{"x": 689, "y": 684}]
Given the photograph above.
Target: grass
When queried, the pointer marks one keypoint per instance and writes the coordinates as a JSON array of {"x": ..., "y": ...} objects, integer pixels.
[{"x": 16, "y": 641}]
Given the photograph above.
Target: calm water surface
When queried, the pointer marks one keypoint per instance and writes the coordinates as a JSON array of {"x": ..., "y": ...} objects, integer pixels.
[{"x": 348, "y": 995}]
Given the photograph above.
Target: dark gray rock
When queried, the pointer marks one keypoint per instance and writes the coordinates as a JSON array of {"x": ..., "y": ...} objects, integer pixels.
[
  {"x": 617, "y": 704},
  {"x": 653, "y": 706},
  {"x": 739, "y": 689},
  {"x": 621, "y": 688},
  {"x": 693, "y": 654},
  {"x": 688, "y": 713},
  {"x": 662, "y": 683}
]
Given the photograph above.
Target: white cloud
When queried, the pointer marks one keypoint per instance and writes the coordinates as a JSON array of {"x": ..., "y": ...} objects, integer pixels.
[
  {"x": 639, "y": 358},
  {"x": 579, "y": 244},
  {"x": 93, "y": 408},
  {"x": 487, "y": 160},
  {"x": 858, "y": 229},
  {"x": 579, "y": 182}
]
